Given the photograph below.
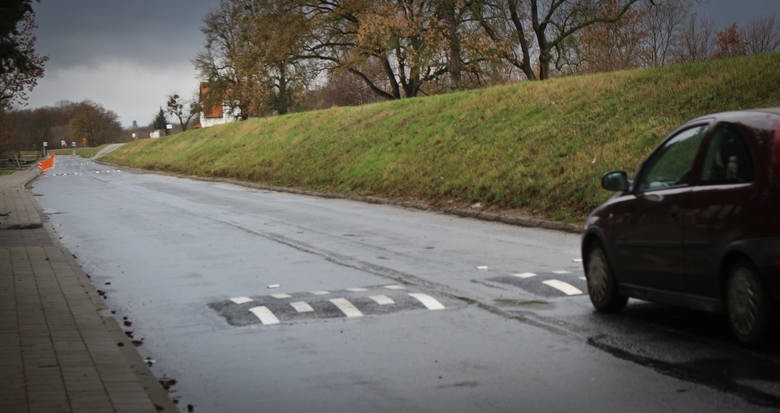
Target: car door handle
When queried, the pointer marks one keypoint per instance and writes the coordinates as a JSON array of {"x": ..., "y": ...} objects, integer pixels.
[
  {"x": 674, "y": 211},
  {"x": 653, "y": 197}
]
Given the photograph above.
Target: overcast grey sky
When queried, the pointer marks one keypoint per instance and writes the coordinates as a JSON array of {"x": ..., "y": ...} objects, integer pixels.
[{"x": 128, "y": 55}]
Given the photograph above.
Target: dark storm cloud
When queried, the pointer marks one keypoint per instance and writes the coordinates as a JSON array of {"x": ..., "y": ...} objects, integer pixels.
[
  {"x": 741, "y": 12},
  {"x": 80, "y": 32},
  {"x": 128, "y": 55},
  {"x": 85, "y": 31}
]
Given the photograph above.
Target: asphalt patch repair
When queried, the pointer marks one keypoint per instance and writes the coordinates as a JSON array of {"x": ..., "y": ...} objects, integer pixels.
[{"x": 322, "y": 305}]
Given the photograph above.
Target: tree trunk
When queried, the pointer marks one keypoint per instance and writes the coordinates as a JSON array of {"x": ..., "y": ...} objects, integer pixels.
[{"x": 447, "y": 10}]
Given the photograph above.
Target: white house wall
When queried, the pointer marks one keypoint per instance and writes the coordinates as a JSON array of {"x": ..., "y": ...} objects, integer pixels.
[{"x": 228, "y": 116}]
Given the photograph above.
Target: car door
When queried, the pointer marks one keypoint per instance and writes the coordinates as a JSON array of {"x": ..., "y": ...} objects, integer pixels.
[
  {"x": 649, "y": 245},
  {"x": 721, "y": 206}
]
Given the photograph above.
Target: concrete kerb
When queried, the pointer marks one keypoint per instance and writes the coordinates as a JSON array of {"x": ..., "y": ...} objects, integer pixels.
[
  {"x": 498, "y": 216},
  {"x": 157, "y": 394}
]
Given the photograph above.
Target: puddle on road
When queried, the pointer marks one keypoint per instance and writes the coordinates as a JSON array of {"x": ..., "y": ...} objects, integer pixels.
[
  {"x": 737, "y": 368},
  {"x": 729, "y": 375},
  {"x": 509, "y": 302}
]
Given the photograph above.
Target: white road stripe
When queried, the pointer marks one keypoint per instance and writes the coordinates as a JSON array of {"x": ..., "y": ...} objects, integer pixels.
[
  {"x": 302, "y": 307},
  {"x": 382, "y": 299},
  {"x": 524, "y": 275},
  {"x": 483, "y": 267},
  {"x": 319, "y": 292},
  {"x": 583, "y": 278},
  {"x": 265, "y": 315},
  {"x": 240, "y": 300},
  {"x": 564, "y": 287},
  {"x": 428, "y": 301},
  {"x": 281, "y": 296},
  {"x": 395, "y": 287},
  {"x": 346, "y": 307},
  {"x": 356, "y": 289},
  {"x": 561, "y": 272}
]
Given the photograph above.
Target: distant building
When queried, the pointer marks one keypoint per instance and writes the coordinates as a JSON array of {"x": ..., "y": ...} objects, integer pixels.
[{"x": 216, "y": 114}]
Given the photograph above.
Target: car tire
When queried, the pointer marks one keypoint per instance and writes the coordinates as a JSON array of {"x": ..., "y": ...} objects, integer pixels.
[
  {"x": 747, "y": 305},
  {"x": 602, "y": 285}
]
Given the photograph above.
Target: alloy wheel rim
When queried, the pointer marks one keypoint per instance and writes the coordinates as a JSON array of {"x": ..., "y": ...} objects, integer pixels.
[
  {"x": 597, "y": 277},
  {"x": 743, "y": 304}
]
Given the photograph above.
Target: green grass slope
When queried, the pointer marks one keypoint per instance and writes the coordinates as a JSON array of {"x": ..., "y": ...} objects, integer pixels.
[{"x": 539, "y": 147}]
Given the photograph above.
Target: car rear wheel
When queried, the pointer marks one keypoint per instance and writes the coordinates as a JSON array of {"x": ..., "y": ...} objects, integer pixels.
[
  {"x": 747, "y": 305},
  {"x": 602, "y": 286}
]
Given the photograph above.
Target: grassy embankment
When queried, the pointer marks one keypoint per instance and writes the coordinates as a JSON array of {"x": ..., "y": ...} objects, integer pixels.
[{"x": 537, "y": 147}]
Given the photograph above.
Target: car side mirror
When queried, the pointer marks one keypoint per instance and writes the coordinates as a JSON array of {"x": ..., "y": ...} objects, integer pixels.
[{"x": 616, "y": 181}]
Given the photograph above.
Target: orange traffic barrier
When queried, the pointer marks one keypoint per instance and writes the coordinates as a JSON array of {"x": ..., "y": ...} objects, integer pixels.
[{"x": 46, "y": 164}]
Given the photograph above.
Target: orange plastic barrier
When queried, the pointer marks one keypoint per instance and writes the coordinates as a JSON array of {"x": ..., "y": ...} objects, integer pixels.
[{"x": 46, "y": 164}]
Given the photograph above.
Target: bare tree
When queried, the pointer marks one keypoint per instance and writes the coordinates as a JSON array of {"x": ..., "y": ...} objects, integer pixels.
[
  {"x": 407, "y": 39},
  {"x": 612, "y": 46},
  {"x": 533, "y": 34},
  {"x": 183, "y": 111},
  {"x": 228, "y": 82},
  {"x": 416, "y": 43},
  {"x": 729, "y": 43},
  {"x": 663, "y": 22},
  {"x": 760, "y": 36},
  {"x": 697, "y": 40},
  {"x": 344, "y": 89},
  {"x": 274, "y": 33},
  {"x": 253, "y": 56}
]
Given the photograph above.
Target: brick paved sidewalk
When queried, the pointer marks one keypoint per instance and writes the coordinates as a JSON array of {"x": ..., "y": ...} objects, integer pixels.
[
  {"x": 17, "y": 207},
  {"x": 62, "y": 350}
]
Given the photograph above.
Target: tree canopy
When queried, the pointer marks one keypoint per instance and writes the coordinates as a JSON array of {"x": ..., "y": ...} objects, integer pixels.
[
  {"x": 20, "y": 66},
  {"x": 184, "y": 112},
  {"x": 93, "y": 123},
  {"x": 160, "y": 122},
  {"x": 68, "y": 121},
  {"x": 265, "y": 56}
]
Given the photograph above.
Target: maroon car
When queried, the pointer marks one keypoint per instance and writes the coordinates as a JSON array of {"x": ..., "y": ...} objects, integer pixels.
[{"x": 699, "y": 225}]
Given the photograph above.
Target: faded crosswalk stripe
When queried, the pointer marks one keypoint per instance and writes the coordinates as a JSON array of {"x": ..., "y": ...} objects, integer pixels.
[
  {"x": 346, "y": 307},
  {"x": 428, "y": 301},
  {"x": 265, "y": 315},
  {"x": 240, "y": 300},
  {"x": 382, "y": 299},
  {"x": 564, "y": 287},
  {"x": 302, "y": 307}
]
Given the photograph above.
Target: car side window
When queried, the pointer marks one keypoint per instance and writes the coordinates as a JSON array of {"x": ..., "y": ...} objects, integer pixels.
[
  {"x": 671, "y": 165},
  {"x": 728, "y": 158}
]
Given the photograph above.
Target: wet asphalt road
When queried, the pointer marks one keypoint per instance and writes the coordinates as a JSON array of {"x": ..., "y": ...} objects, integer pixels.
[{"x": 262, "y": 301}]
